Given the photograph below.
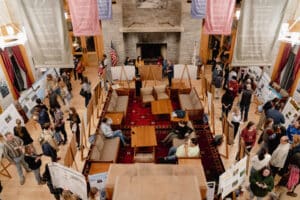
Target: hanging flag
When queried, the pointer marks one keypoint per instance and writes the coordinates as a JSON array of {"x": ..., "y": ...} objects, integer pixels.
[
  {"x": 219, "y": 17},
  {"x": 46, "y": 30},
  {"x": 84, "y": 17},
  {"x": 104, "y": 9},
  {"x": 257, "y": 32},
  {"x": 198, "y": 9},
  {"x": 113, "y": 55}
]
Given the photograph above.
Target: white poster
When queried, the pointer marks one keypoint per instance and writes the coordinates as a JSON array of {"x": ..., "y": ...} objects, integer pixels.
[
  {"x": 123, "y": 73},
  {"x": 210, "y": 193},
  {"x": 290, "y": 111},
  {"x": 264, "y": 92},
  {"x": 255, "y": 72},
  {"x": 46, "y": 29},
  {"x": 8, "y": 119},
  {"x": 233, "y": 177},
  {"x": 185, "y": 72},
  {"x": 257, "y": 32},
  {"x": 98, "y": 181},
  {"x": 37, "y": 90},
  {"x": 67, "y": 178},
  {"x": 296, "y": 94}
]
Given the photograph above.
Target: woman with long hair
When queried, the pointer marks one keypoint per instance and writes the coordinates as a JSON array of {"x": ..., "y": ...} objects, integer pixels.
[
  {"x": 74, "y": 124},
  {"x": 248, "y": 135}
]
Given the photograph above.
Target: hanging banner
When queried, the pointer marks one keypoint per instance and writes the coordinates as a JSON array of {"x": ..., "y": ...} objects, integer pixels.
[
  {"x": 104, "y": 9},
  {"x": 84, "y": 16},
  {"x": 47, "y": 34},
  {"x": 258, "y": 29},
  {"x": 219, "y": 17},
  {"x": 198, "y": 9}
]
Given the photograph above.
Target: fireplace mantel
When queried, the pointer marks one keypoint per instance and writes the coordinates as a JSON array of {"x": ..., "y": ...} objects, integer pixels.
[{"x": 175, "y": 29}]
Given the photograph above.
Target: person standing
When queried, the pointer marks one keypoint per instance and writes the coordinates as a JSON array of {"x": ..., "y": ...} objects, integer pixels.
[
  {"x": 236, "y": 120},
  {"x": 22, "y": 133},
  {"x": 279, "y": 155},
  {"x": 107, "y": 67},
  {"x": 13, "y": 151},
  {"x": 86, "y": 87},
  {"x": 259, "y": 161},
  {"x": 227, "y": 102},
  {"x": 80, "y": 68},
  {"x": 170, "y": 72},
  {"x": 245, "y": 102},
  {"x": 59, "y": 123},
  {"x": 248, "y": 135},
  {"x": 261, "y": 183},
  {"x": 74, "y": 124},
  {"x": 276, "y": 115},
  {"x": 49, "y": 145},
  {"x": 34, "y": 162}
]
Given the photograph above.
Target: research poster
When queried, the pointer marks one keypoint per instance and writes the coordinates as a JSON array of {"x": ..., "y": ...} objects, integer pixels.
[
  {"x": 233, "y": 177},
  {"x": 123, "y": 73},
  {"x": 67, "y": 178},
  {"x": 264, "y": 92},
  {"x": 290, "y": 111},
  {"x": 98, "y": 181},
  {"x": 8, "y": 119}
]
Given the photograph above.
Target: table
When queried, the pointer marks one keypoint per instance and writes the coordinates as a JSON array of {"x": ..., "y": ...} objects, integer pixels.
[
  {"x": 143, "y": 136},
  {"x": 146, "y": 188},
  {"x": 151, "y": 169},
  {"x": 116, "y": 117},
  {"x": 163, "y": 106}
]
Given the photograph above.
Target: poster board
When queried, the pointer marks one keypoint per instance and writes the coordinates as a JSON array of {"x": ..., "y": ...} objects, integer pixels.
[
  {"x": 296, "y": 94},
  {"x": 233, "y": 177},
  {"x": 255, "y": 72},
  {"x": 37, "y": 90},
  {"x": 264, "y": 92},
  {"x": 290, "y": 111},
  {"x": 71, "y": 153},
  {"x": 67, "y": 178},
  {"x": 98, "y": 181},
  {"x": 185, "y": 71},
  {"x": 210, "y": 194},
  {"x": 8, "y": 119},
  {"x": 150, "y": 72},
  {"x": 123, "y": 73}
]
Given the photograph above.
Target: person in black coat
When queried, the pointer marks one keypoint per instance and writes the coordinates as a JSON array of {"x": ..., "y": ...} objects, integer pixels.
[
  {"x": 53, "y": 102},
  {"x": 227, "y": 101},
  {"x": 74, "y": 124},
  {"x": 34, "y": 163},
  {"x": 246, "y": 101},
  {"x": 22, "y": 133}
]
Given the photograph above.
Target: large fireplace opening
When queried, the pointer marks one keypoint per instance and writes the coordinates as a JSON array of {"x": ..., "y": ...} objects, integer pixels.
[{"x": 150, "y": 52}]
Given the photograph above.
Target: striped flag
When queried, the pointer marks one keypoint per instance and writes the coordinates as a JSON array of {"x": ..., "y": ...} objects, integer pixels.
[
  {"x": 113, "y": 55},
  {"x": 198, "y": 9}
]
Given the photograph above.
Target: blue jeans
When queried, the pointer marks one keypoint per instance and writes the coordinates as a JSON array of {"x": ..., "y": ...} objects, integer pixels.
[
  {"x": 171, "y": 154},
  {"x": 118, "y": 133},
  {"x": 37, "y": 175},
  {"x": 18, "y": 162}
]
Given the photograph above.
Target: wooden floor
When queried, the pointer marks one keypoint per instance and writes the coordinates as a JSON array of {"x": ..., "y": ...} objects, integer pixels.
[{"x": 12, "y": 190}]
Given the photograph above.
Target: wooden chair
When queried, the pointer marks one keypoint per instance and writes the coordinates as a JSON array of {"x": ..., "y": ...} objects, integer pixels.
[
  {"x": 161, "y": 92},
  {"x": 147, "y": 95}
]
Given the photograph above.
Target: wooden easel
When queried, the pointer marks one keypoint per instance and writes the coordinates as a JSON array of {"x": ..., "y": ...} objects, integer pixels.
[
  {"x": 123, "y": 71},
  {"x": 71, "y": 154},
  {"x": 185, "y": 68},
  {"x": 150, "y": 73},
  {"x": 4, "y": 170},
  {"x": 83, "y": 140}
]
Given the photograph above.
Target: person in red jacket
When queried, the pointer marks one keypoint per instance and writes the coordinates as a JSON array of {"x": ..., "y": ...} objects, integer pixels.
[{"x": 248, "y": 135}]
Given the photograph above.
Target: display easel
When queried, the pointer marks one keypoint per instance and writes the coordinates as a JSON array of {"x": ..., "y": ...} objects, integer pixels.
[
  {"x": 185, "y": 68},
  {"x": 149, "y": 75},
  {"x": 4, "y": 167},
  {"x": 71, "y": 154},
  {"x": 123, "y": 71}
]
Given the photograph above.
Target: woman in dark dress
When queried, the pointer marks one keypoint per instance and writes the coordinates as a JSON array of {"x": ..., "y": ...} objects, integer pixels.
[{"x": 22, "y": 133}]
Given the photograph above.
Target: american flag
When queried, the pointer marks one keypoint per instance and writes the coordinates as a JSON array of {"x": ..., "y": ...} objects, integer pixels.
[{"x": 113, "y": 55}]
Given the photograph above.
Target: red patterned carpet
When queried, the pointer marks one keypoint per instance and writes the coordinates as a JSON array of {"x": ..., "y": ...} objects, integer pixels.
[{"x": 137, "y": 114}]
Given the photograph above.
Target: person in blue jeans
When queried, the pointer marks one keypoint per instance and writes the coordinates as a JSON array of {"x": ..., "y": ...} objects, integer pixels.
[{"x": 109, "y": 133}]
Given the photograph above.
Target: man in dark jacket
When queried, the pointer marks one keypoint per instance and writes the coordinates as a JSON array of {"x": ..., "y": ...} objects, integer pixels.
[
  {"x": 227, "y": 101},
  {"x": 276, "y": 115},
  {"x": 246, "y": 101}
]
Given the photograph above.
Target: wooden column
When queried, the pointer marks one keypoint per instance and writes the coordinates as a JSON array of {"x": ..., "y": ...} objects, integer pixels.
[
  {"x": 278, "y": 60},
  {"x": 10, "y": 85},
  {"x": 27, "y": 64},
  {"x": 233, "y": 36},
  {"x": 204, "y": 47}
]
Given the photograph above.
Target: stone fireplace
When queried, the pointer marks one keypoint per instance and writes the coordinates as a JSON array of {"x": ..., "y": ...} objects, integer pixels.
[{"x": 168, "y": 31}]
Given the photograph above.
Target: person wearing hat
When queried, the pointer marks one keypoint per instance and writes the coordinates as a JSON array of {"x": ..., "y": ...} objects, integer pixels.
[{"x": 181, "y": 131}]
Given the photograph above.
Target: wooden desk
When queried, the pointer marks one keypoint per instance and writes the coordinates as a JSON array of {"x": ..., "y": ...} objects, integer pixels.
[
  {"x": 160, "y": 107},
  {"x": 143, "y": 136},
  {"x": 177, "y": 119},
  {"x": 146, "y": 188},
  {"x": 116, "y": 117},
  {"x": 99, "y": 167},
  {"x": 140, "y": 169}
]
